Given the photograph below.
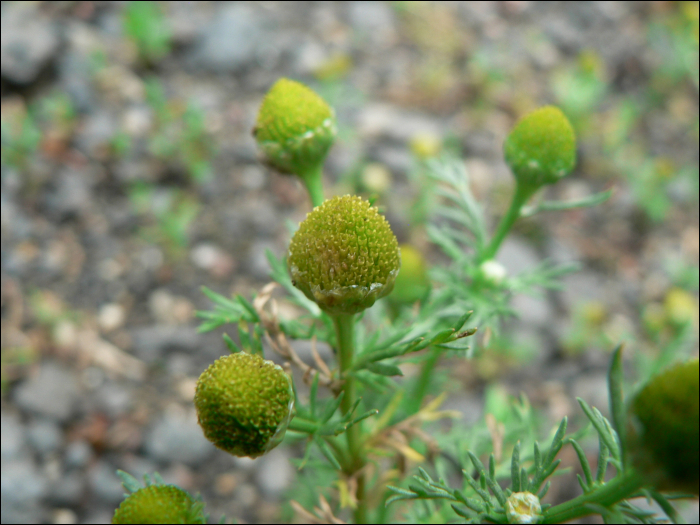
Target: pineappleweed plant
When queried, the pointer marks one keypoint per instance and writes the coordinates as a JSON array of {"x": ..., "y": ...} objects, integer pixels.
[{"x": 341, "y": 260}]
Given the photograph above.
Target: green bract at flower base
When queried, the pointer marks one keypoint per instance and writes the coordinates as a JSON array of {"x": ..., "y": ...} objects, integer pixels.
[
  {"x": 344, "y": 256},
  {"x": 244, "y": 404},
  {"x": 159, "y": 504},
  {"x": 663, "y": 435},
  {"x": 295, "y": 129},
  {"x": 541, "y": 148}
]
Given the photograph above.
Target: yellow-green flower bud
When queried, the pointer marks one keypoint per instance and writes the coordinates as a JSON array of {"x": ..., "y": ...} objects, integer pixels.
[
  {"x": 295, "y": 128},
  {"x": 523, "y": 507},
  {"x": 663, "y": 429},
  {"x": 412, "y": 283},
  {"x": 344, "y": 255},
  {"x": 159, "y": 504},
  {"x": 244, "y": 404},
  {"x": 541, "y": 148}
]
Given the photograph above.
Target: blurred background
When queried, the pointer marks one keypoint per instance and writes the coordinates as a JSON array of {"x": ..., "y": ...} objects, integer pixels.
[{"x": 130, "y": 179}]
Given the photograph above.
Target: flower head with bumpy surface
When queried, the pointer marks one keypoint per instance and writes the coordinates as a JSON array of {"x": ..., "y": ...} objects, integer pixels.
[
  {"x": 295, "y": 127},
  {"x": 159, "y": 504},
  {"x": 664, "y": 429},
  {"x": 344, "y": 255},
  {"x": 541, "y": 148},
  {"x": 244, "y": 404}
]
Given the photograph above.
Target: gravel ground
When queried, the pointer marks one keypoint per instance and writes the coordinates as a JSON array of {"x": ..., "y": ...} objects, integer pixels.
[{"x": 101, "y": 270}]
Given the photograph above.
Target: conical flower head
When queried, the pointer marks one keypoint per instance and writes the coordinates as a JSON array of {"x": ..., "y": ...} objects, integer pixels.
[
  {"x": 244, "y": 404},
  {"x": 295, "y": 128},
  {"x": 541, "y": 148},
  {"x": 344, "y": 255},
  {"x": 159, "y": 504},
  {"x": 663, "y": 435}
]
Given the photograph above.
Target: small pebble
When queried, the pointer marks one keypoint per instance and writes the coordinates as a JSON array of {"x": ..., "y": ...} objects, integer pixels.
[{"x": 111, "y": 316}]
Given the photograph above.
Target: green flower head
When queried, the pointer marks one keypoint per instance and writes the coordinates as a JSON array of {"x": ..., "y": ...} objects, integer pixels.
[
  {"x": 295, "y": 128},
  {"x": 541, "y": 148},
  {"x": 344, "y": 255},
  {"x": 159, "y": 504},
  {"x": 244, "y": 404},
  {"x": 412, "y": 283},
  {"x": 663, "y": 429}
]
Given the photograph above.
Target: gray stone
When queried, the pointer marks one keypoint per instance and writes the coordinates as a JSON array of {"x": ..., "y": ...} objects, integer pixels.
[
  {"x": 97, "y": 131},
  {"x": 45, "y": 436},
  {"x": 186, "y": 21},
  {"x": 561, "y": 251},
  {"x": 384, "y": 120},
  {"x": 374, "y": 21},
  {"x": 398, "y": 160},
  {"x": 138, "y": 466},
  {"x": 68, "y": 490},
  {"x": 532, "y": 311},
  {"x": 21, "y": 488},
  {"x": 262, "y": 217},
  {"x": 29, "y": 41},
  {"x": 105, "y": 484},
  {"x": 74, "y": 76},
  {"x": 245, "y": 464},
  {"x": 231, "y": 41},
  {"x": 78, "y": 454},
  {"x": 246, "y": 496},
  {"x": 114, "y": 399},
  {"x": 257, "y": 263},
  {"x": 70, "y": 195},
  {"x": 178, "y": 437},
  {"x": 52, "y": 392},
  {"x": 152, "y": 342},
  {"x": 274, "y": 472},
  {"x": 252, "y": 216},
  {"x": 517, "y": 256},
  {"x": 12, "y": 444},
  {"x": 580, "y": 287}
]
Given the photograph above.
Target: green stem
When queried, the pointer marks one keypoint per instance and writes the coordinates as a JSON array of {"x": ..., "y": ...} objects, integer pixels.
[
  {"x": 614, "y": 491},
  {"x": 421, "y": 388},
  {"x": 313, "y": 180},
  {"x": 304, "y": 426},
  {"x": 520, "y": 197},
  {"x": 345, "y": 335}
]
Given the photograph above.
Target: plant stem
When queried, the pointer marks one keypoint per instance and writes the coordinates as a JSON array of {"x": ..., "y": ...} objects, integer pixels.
[
  {"x": 520, "y": 197},
  {"x": 619, "y": 488},
  {"x": 345, "y": 335},
  {"x": 302, "y": 425},
  {"x": 423, "y": 382},
  {"x": 313, "y": 180}
]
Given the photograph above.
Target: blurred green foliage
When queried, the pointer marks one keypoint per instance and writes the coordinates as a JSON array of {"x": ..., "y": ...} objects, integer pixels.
[
  {"x": 168, "y": 216},
  {"x": 146, "y": 25},
  {"x": 20, "y": 138},
  {"x": 179, "y": 133}
]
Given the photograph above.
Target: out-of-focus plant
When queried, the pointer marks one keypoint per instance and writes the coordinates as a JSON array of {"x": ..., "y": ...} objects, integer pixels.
[
  {"x": 20, "y": 137},
  {"x": 147, "y": 27},
  {"x": 168, "y": 216},
  {"x": 364, "y": 424},
  {"x": 179, "y": 133}
]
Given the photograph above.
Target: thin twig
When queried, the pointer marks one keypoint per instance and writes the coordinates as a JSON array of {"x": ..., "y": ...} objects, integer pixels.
[{"x": 279, "y": 343}]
